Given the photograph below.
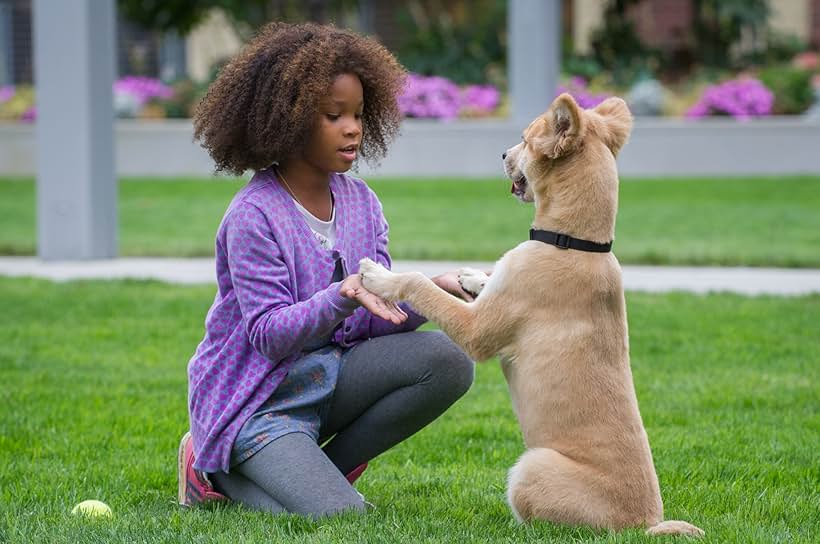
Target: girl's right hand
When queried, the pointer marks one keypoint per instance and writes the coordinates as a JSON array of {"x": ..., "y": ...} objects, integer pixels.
[{"x": 352, "y": 288}]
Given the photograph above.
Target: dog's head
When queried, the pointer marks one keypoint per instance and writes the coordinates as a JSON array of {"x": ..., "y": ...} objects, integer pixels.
[{"x": 567, "y": 144}]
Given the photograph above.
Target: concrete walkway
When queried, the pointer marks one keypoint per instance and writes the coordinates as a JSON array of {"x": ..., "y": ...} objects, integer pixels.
[{"x": 747, "y": 281}]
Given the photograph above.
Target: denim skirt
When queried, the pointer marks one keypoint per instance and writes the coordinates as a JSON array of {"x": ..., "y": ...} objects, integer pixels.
[{"x": 298, "y": 405}]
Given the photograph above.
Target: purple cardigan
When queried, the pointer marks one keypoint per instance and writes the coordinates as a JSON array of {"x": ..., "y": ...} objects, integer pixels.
[{"x": 274, "y": 295}]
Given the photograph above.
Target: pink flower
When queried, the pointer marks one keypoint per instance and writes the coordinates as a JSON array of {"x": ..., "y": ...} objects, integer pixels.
[
  {"x": 142, "y": 89},
  {"x": 480, "y": 98},
  {"x": 439, "y": 98},
  {"x": 807, "y": 60},
  {"x": 741, "y": 98},
  {"x": 30, "y": 115},
  {"x": 435, "y": 97},
  {"x": 577, "y": 87},
  {"x": 6, "y": 93}
]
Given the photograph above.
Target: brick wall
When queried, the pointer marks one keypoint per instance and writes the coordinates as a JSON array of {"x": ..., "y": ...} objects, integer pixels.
[{"x": 663, "y": 24}]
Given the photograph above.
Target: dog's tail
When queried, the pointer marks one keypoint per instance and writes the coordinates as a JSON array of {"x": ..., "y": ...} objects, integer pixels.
[{"x": 673, "y": 527}]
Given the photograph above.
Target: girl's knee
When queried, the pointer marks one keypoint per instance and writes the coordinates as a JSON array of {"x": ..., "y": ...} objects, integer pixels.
[
  {"x": 451, "y": 365},
  {"x": 355, "y": 505}
]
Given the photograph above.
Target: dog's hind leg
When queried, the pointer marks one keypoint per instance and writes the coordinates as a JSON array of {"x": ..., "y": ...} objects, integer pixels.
[{"x": 547, "y": 485}]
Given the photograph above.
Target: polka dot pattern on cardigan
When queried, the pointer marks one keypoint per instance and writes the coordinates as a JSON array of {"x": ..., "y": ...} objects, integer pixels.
[{"x": 274, "y": 294}]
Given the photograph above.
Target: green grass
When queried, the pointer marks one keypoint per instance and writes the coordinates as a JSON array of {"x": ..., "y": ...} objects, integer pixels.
[
  {"x": 753, "y": 222},
  {"x": 93, "y": 390}
]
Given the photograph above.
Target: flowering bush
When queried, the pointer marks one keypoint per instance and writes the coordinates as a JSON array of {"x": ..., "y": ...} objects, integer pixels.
[
  {"x": 439, "y": 98},
  {"x": 793, "y": 92},
  {"x": 435, "y": 97},
  {"x": 132, "y": 93},
  {"x": 479, "y": 100},
  {"x": 780, "y": 90},
  {"x": 742, "y": 98},
  {"x": 577, "y": 87},
  {"x": 17, "y": 103}
]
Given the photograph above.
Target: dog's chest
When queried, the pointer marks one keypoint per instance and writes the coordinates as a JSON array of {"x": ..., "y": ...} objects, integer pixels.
[{"x": 510, "y": 370}]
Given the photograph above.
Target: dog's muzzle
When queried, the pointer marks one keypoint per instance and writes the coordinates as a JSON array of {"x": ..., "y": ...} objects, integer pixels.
[{"x": 519, "y": 186}]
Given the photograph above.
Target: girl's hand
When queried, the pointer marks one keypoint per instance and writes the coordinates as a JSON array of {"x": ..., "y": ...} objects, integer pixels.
[
  {"x": 352, "y": 288},
  {"x": 449, "y": 282}
]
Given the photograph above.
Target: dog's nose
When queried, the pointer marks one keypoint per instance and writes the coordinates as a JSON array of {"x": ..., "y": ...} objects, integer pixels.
[{"x": 503, "y": 156}]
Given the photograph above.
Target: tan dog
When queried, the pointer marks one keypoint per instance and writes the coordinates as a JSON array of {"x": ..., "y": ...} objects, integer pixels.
[{"x": 557, "y": 319}]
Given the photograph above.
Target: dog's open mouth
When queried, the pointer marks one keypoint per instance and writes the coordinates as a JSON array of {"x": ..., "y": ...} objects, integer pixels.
[{"x": 519, "y": 187}]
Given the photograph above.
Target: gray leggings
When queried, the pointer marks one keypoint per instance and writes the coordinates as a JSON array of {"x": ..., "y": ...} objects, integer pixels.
[{"x": 388, "y": 388}]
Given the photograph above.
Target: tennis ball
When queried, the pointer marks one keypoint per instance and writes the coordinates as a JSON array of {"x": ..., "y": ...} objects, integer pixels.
[{"x": 92, "y": 509}]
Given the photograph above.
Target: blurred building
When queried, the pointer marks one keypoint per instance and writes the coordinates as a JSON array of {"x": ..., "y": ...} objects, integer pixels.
[
  {"x": 664, "y": 24},
  {"x": 661, "y": 24}
]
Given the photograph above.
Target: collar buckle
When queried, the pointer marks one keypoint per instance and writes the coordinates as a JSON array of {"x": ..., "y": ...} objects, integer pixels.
[{"x": 562, "y": 241}]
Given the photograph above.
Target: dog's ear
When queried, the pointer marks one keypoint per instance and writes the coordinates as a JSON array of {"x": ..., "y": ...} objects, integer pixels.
[
  {"x": 617, "y": 125},
  {"x": 563, "y": 128}
]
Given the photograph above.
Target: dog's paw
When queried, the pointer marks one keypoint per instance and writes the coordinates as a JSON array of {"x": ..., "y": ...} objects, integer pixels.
[
  {"x": 472, "y": 280},
  {"x": 379, "y": 280}
]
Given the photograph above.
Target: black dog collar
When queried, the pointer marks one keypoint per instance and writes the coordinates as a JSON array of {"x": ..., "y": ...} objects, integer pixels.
[{"x": 564, "y": 241}]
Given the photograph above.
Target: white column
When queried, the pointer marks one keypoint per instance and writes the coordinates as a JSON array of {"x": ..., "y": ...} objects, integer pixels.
[
  {"x": 74, "y": 51},
  {"x": 533, "y": 56}
]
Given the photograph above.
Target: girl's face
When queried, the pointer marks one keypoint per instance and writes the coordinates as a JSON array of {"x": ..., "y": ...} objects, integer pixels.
[{"x": 334, "y": 143}]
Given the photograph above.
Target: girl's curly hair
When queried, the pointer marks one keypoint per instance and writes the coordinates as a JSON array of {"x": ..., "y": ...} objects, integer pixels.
[{"x": 262, "y": 106}]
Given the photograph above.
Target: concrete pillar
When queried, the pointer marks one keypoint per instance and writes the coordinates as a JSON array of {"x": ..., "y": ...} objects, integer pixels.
[
  {"x": 366, "y": 16},
  {"x": 76, "y": 185},
  {"x": 172, "y": 57},
  {"x": 534, "y": 56}
]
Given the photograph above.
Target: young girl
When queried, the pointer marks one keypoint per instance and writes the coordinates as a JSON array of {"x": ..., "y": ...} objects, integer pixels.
[{"x": 296, "y": 353}]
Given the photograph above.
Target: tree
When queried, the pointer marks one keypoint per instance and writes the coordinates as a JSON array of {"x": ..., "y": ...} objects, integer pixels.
[
  {"x": 617, "y": 45},
  {"x": 167, "y": 15},
  {"x": 247, "y": 15},
  {"x": 464, "y": 41},
  {"x": 718, "y": 26}
]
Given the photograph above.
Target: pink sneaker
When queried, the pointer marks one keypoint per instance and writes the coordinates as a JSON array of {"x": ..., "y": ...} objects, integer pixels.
[
  {"x": 354, "y": 474},
  {"x": 194, "y": 486}
]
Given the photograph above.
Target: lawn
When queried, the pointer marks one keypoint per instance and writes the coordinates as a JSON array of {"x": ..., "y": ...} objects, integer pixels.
[
  {"x": 754, "y": 222},
  {"x": 94, "y": 393}
]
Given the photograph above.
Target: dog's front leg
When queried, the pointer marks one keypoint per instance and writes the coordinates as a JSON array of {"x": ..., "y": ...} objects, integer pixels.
[{"x": 472, "y": 326}]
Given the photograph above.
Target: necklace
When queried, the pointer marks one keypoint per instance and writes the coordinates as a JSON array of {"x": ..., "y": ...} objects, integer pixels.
[{"x": 292, "y": 194}]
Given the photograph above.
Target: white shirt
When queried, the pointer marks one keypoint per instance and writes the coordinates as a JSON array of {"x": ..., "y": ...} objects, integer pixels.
[{"x": 325, "y": 231}]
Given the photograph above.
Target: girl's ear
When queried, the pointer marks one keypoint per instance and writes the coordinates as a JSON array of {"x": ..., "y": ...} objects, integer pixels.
[
  {"x": 617, "y": 123},
  {"x": 562, "y": 130}
]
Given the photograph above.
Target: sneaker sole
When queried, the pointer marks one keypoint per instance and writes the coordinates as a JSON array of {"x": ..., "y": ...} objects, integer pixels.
[{"x": 182, "y": 474}]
